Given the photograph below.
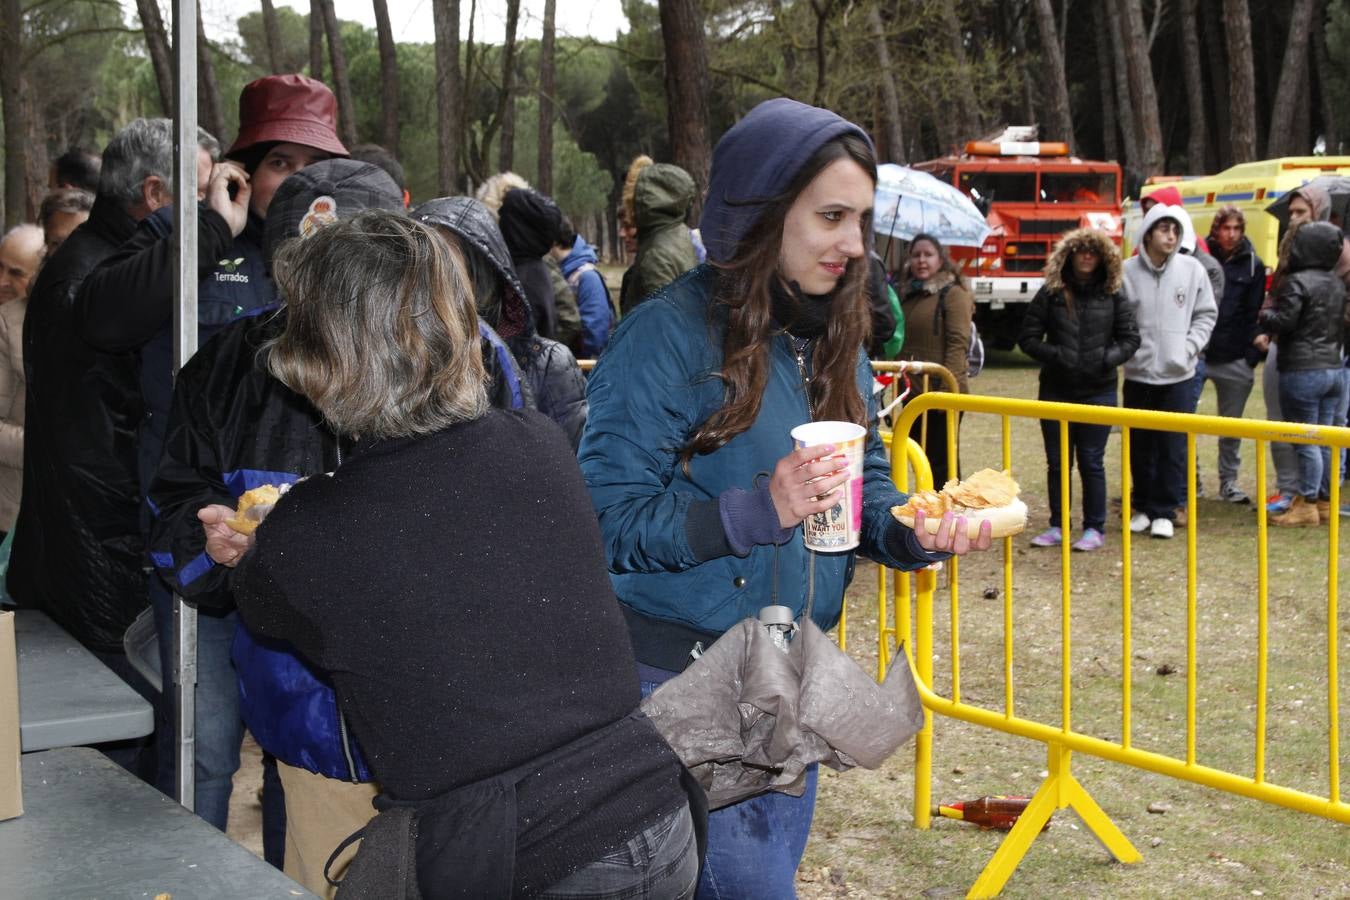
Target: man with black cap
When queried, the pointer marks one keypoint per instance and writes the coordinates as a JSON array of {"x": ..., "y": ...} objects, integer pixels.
[
  {"x": 530, "y": 222},
  {"x": 286, "y": 122}
]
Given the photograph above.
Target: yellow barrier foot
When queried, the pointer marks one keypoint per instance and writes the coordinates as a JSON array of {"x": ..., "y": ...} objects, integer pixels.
[{"x": 1060, "y": 791}]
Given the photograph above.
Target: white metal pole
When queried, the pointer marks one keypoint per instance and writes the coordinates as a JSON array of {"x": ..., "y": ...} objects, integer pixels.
[{"x": 184, "y": 345}]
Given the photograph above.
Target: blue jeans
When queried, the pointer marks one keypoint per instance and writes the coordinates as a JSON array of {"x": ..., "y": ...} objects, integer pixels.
[
  {"x": 220, "y": 731},
  {"x": 660, "y": 862},
  {"x": 755, "y": 846},
  {"x": 1315, "y": 397},
  {"x": 1088, "y": 443},
  {"x": 1158, "y": 458}
]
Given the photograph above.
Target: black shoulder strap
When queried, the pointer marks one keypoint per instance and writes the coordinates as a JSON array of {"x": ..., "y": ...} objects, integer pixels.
[{"x": 942, "y": 306}]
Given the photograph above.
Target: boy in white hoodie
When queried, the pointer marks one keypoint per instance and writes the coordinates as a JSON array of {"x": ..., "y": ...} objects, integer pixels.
[{"x": 1176, "y": 310}]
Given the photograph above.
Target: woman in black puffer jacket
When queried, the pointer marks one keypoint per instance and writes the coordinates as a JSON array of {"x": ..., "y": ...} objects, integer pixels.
[
  {"x": 1080, "y": 328},
  {"x": 1309, "y": 318}
]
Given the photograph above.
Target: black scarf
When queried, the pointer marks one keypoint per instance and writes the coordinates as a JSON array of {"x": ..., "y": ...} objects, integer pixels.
[{"x": 799, "y": 314}]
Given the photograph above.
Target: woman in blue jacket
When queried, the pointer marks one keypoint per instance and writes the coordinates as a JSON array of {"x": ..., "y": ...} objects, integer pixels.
[{"x": 687, "y": 452}]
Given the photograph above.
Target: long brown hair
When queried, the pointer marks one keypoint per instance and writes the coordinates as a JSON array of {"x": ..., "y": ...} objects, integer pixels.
[{"x": 744, "y": 290}]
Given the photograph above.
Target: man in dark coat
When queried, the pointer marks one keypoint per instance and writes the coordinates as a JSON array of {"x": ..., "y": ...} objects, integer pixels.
[
  {"x": 1230, "y": 356},
  {"x": 286, "y": 122},
  {"x": 78, "y": 550}
]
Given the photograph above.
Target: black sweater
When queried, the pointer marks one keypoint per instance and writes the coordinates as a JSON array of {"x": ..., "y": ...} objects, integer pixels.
[{"x": 454, "y": 586}]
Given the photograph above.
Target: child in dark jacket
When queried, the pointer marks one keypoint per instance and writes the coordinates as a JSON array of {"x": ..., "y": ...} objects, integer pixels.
[{"x": 1080, "y": 328}]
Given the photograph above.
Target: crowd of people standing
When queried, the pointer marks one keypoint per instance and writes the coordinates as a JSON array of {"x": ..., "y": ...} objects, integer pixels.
[{"x": 411, "y": 377}]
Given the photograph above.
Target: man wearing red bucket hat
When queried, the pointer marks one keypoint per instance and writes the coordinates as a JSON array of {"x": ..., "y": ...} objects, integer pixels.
[{"x": 286, "y": 122}]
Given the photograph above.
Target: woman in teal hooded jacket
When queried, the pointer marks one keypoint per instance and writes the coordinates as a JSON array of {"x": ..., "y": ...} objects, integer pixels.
[{"x": 687, "y": 452}]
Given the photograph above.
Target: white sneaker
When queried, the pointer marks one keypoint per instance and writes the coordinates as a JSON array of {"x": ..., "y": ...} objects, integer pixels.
[
  {"x": 1139, "y": 522},
  {"x": 1162, "y": 528}
]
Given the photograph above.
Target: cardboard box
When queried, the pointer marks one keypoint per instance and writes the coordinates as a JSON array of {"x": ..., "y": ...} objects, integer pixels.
[{"x": 11, "y": 794}]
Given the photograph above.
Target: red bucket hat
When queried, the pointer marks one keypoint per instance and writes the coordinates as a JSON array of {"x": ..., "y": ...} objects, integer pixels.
[{"x": 287, "y": 108}]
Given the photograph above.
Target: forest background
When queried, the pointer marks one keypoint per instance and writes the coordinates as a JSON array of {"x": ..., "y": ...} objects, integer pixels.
[{"x": 1162, "y": 86}]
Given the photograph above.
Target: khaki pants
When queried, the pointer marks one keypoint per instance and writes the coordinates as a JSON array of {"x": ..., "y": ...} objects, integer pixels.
[{"x": 320, "y": 813}]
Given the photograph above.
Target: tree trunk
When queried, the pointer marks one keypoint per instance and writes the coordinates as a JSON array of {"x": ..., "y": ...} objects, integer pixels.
[
  {"x": 895, "y": 139},
  {"x": 475, "y": 160},
  {"x": 1196, "y": 139},
  {"x": 1129, "y": 131},
  {"x": 446, "y": 13},
  {"x": 315, "y": 39},
  {"x": 37, "y": 162},
  {"x": 208, "y": 91},
  {"x": 1143, "y": 94},
  {"x": 822, "y": 10},
  {"x": 388, "y": 78},
  {"x": 272, "y": 35},
  {"x": 1106, "y": 81},
  {"x": 1241, "y": 80},
  {"x": 341, "y": 85},
  {"x": 1331, "y": 119},
  {"x": 1293, "y": 82},
  {"x": 1216, "y": 61},
  {"x": 1057, "y": 110},
  {"x": 967, "y": 110},
  {"x": 547, "y": 87},
  {"x": 506, "y": 102},
  {"x": 157, "y": 46},
  {"x": 682, "y": 35},
  {"x": 11, "y": 87}
]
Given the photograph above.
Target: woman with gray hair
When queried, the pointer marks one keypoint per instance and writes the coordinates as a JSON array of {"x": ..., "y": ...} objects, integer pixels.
[{"x": 524, "y": 763}]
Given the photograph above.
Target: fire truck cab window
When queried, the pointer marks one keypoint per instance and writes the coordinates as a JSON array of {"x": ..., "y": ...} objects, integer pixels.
[
  {"x": 1001, "y": 187},
  {"x": 1078, "y": 187}
]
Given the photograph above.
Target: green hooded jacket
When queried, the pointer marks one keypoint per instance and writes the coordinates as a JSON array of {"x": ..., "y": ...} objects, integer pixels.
[{"x": 661, "y": 201}]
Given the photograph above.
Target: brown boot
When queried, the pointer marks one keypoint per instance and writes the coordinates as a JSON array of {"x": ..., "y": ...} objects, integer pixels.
[
  {"x": 1300, "y": 513},
  {"x": 1323, "y": 512}
]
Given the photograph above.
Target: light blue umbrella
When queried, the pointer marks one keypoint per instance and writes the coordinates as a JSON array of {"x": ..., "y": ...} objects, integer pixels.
[{"x": 910, "y": 202}]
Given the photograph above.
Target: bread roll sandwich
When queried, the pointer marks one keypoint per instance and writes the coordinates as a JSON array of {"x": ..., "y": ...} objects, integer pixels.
[
  {"x": 987, "y": 494},
  {"x": 253, "y": 507}
]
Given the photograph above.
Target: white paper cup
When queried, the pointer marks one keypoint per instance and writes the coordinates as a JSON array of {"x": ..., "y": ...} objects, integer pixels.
[{"x": 838, "y": 528}]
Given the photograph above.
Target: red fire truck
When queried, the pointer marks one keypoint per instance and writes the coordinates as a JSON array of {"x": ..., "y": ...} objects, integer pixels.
[{"x": 1030, "y": 193}]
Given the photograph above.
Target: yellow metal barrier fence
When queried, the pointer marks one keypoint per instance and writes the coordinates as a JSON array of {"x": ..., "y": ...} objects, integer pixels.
[{"x": 1061, "y": 789}]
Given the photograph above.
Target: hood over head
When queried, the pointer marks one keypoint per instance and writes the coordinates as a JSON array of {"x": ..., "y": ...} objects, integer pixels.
[
  {"x": 580, "y": 254},
  {"x": 628, "y": 213},
  {"x": 530, "y": 222},
  {"x": 491, "y": 192},
  {"x": 1188, "y": 241},
  {"x": 473, "y": 223},
  {"x": 329, "y": 191},
  {"x": 1153, "y": 217},
  {"x": 1108, "y": 258},
  {"x": 1316, "y": 245},
  {"x": 662, "y": 195},
  {"x": 1168, "y": 195},
  {"x": 1317, "y": 198},
  {"x": 754, "y": 163}
]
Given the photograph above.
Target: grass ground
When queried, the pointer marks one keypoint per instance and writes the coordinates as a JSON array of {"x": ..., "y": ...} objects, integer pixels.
[{"x": 1206, "y": 843}]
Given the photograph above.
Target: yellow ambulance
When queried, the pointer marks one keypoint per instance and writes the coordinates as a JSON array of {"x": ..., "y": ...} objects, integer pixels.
[{"x": 1251, "y": 187}]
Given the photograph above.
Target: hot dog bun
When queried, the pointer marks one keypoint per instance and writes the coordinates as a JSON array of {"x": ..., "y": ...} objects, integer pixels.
[
  {"x": 987, "y": 494},
  {"x": 263, "y": 495}
]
